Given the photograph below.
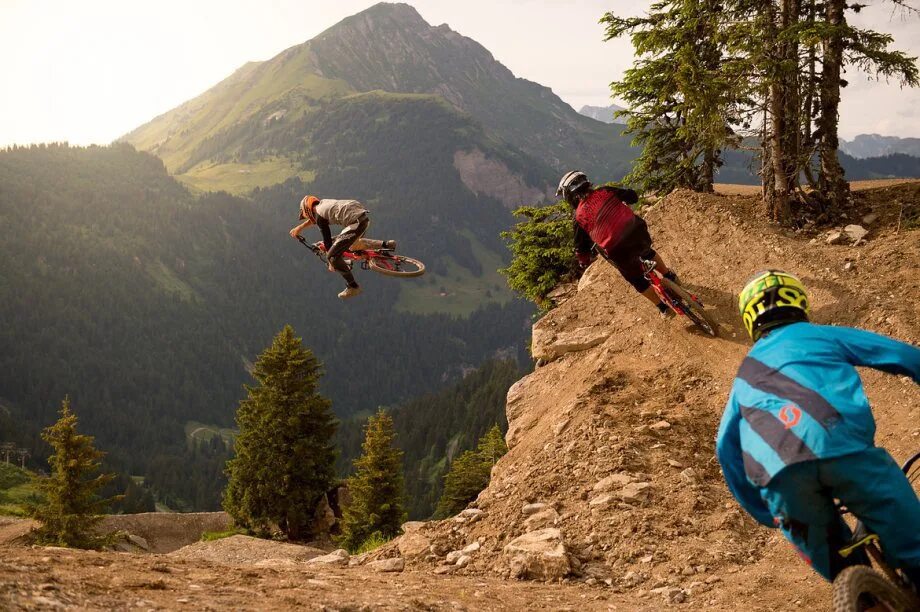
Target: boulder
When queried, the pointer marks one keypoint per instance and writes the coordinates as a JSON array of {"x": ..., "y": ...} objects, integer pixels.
[
  {"x": 591, "y": 275},
  {"x": 471, "y": 548},
  {"x": 463, "y": 561},
  {"x": 413, "y": 543},
  {"x": 529, "y": 509},
  {"x": 538, "y": 555},
  {"x": 870, "y": 218},
  {"x": 548, "y": 517},
  {"x": 393, "y": 564},
  {"x": 835, "y": 237},
  {"x": 336, "y": 557},
  {"x": 856, "y": 233},
  {"x": 635, "y": 492},
  {"x": 453, "y": 555},
  {"x": 472, "y": 514},
  {"x": 660, "y": 426},
  {"x": 602, "y": 502},
  {"x": 614, "y": 481},
  {"x": 549, "y": 344},
  {"x": 689, "y": 477}
]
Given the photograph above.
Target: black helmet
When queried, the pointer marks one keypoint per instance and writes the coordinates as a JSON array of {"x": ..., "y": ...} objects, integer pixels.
[{"x": 572, "y": 185}]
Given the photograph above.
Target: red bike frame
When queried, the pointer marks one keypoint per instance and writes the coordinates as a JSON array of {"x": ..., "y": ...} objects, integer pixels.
[{"x": 655, "y": 279}]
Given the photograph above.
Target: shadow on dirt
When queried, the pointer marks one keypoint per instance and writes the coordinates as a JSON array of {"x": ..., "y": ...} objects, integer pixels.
[{"x": 722, "y": 306}]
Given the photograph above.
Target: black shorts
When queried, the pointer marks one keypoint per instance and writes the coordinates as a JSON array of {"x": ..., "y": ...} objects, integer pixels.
[{"x": 628, "y": 253}]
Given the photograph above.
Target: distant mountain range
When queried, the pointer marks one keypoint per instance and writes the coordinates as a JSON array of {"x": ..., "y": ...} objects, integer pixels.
[
  {"x": 603, "y": 113},
  {"x": 875, "y": 145}
]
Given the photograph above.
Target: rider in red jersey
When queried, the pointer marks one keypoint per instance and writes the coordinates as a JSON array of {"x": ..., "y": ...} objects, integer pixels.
[{"x": 604, "y": 220}]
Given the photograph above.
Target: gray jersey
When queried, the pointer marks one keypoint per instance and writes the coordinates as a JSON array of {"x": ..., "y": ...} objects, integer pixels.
[{"x": 339, "y": 212}]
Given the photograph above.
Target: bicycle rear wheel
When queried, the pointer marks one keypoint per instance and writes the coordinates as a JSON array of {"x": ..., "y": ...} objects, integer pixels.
[
  {"x": 860, "y": 587},
  {"x": 690, "y": 306},
  {"x": 396, "y": 265}
]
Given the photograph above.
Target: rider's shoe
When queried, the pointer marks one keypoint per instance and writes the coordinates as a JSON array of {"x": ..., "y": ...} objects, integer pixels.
[
  {"x": 389, "y": 245},
  {"x": 665, "y": 312},
  {"x": 672, "y": 276},
  {"x": 350, "y": 292}
]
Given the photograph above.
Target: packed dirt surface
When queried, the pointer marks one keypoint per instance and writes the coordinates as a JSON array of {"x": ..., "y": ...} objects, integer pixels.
[
  {"x": 726, "y": 189},
  {"x": 54, "y": 578},
  {"x": 610, "y": 496}
]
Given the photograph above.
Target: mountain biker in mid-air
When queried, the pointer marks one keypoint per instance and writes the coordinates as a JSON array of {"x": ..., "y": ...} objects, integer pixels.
[
  {"x": 798, "y": 431},
  {"x": 603, "y": 219},
  {"x": 348, "y": 213}
]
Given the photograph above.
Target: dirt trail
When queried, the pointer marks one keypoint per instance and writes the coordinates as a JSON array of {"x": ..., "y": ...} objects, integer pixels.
[
  {"x": 612, "y": 451},
  {"x": 636, "y": 399}
]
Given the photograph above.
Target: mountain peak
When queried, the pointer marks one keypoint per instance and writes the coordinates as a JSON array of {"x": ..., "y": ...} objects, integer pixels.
[
  {"x": 394, "y": 10},
  {"x": 383, "y": 15}
]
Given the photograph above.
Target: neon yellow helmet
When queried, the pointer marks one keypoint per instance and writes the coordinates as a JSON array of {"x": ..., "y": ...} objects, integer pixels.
[{"x": 771, "y": 298}]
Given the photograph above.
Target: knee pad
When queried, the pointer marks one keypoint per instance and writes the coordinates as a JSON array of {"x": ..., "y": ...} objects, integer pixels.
[{"x": 639, "y": 283}]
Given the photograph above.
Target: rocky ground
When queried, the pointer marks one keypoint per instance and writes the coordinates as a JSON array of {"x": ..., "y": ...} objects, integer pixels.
[{"x": 610, "y": 496}]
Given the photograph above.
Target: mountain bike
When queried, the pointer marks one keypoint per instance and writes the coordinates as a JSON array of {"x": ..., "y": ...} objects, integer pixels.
[
  {"x": 384, "y": 261},
  {"x": 861, "y": 587},
  {"x": 679, "y": 299}
]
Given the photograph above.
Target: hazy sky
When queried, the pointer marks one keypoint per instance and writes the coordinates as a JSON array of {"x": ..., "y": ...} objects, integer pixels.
[{"x": 88, "y": 71}]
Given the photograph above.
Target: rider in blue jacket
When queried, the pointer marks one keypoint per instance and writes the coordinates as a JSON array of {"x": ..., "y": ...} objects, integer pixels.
[{"x": 798, "y": 431}]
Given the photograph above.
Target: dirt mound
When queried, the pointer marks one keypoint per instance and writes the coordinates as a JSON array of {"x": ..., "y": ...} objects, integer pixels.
[
  {"x": 164, "y": 531},
  {"x": 245, "y": 550},
  {"x": 612, "y": 441},
  {"x": 14, "y": 530}
]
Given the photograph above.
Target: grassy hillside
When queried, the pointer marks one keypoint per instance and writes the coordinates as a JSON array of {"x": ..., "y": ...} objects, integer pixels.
[{"x": 16, "y": 490}]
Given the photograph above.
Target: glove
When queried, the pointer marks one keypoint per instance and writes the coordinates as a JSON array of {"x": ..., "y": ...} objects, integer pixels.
[{"x": 627, "y": 196}]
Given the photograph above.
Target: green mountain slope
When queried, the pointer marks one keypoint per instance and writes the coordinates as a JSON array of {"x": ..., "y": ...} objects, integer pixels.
[{"x": 388, "y": 47}]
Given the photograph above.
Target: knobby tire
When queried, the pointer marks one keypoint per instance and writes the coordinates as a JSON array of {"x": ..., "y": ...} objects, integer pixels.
[
  {"x": 691, "y": 307},
  {"x": 860, "y": 587},
  {"x": 382, "y": 265}
]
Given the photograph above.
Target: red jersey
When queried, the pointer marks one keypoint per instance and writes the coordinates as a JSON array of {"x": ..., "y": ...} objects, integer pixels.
[{"x": 605, "y": 217}]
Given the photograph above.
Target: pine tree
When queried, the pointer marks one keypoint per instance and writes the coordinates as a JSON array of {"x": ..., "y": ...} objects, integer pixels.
[
  {"x": 682, "y": 92},
  {"x": 542, "y": 251},
  {"x": 285, "y": 458},
  {"x": 376, "y": 489},
  {"x": 492, "y": 447},
  {"x": 710, "y": 72},
  {"x": 470, "y": 473},
  {"x": 70, "y": 507}
]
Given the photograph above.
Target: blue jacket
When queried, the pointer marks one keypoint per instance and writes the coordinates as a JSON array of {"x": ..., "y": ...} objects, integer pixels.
[{"x": 797, "y": 397}]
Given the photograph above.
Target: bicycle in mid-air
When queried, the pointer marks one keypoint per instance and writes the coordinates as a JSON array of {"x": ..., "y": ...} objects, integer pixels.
[
  {"x": 384, "y": 261},
  {"x": 862, "y": 588},
  {"x": 679, "y": 299}
]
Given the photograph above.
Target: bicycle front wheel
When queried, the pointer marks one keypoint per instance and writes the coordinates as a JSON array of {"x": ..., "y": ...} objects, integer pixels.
[
  {"x": 396, "y": 265},
  {"x": 691, "y": 307},
  {"x": 860, "y": 588}
]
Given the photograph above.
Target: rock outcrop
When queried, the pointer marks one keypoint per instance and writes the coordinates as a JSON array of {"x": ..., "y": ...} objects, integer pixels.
[{"x": 611, "y": 476}]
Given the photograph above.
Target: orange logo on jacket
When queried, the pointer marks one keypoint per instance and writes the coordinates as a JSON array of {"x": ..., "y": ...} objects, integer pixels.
[{"x": 790, "y": 415}]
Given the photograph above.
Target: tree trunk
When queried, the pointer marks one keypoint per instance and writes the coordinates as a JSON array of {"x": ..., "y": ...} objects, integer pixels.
[
  {"x": 708, "y": 170},
  {"x": 766, "y": 173},
  {"x": 792, "y": 95},
  {"x": 831, "y": 183},
  {"x": 777, "y": 126},
  {"x": 779, "y": 207}
]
